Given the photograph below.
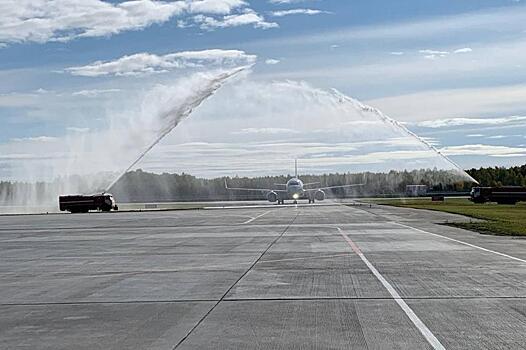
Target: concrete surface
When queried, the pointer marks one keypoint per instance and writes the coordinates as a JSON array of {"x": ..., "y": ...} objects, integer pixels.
[{"x": 307, "y": 277}]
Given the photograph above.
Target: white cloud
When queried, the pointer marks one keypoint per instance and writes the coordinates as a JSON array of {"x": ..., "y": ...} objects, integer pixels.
[
  {"x": 94, "y": 92},
  {"x": 35, "y": 139},
  {"x": 396, "y": 53},
  {"x": 484, "y": 150},
  {"x": 63, "y": 20},
  {"x": 431, "y": 140},
  {"x": 270, "y": 131},
  {"x": 249, "y": 17},
  {"x": 302, "y": 11},
  {"x": 511, "y": 155},
  {"x": 433, "y": 52},
  {"x": 146, "y": 63},
  {"x": 286, "y": 1},
  {"x": 215, "y": 6},
  {"x": 77, "y": 129},
  {"x": 42, "y": 91},
  {"x": 442, "y": 123},
  {"x": 272, "y": 61},
  {"x": 475, "y": 135},
  {"x": 463, "y": 50}
]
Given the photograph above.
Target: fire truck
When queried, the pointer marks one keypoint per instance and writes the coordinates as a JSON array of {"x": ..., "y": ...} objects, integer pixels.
[
  {"x": 501, "y": 195},
  {"x": 83, "y": 203}
]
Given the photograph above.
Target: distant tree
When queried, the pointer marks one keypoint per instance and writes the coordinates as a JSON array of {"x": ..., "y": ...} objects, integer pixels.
[{"x": 142, "y": 186}]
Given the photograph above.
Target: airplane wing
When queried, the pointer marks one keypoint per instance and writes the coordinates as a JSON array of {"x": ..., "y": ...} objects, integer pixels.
[
  {"x": 251, "y": 189},
  {"x": 332, "y": 187}
]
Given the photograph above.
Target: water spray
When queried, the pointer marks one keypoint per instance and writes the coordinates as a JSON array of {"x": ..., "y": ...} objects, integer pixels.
[
  {"x": 361, "y": 106},
  {"x": 180, "y": 112}
]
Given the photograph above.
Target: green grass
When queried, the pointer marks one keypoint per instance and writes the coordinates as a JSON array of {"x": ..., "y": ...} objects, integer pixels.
[{"x": 498, "y": 219}]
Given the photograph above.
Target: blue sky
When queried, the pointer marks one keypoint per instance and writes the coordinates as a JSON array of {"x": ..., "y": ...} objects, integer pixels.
[{"x": 451, "y": 71}]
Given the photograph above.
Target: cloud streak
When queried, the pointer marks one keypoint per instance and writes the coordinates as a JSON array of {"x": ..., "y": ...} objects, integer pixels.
[
  {"x": 249, "y": 17},
  {"x": 94, "y": 92},
  {"x": 147, "y": 63},
  {"x": 484, "y": 150},
  {"x": 272, "y": 61},
  {"x": 434, "y": 54},
  {"x": 453, "y": 122},
  {"x": 281, "y": 2},
  {"x": 302, "y": 11}
]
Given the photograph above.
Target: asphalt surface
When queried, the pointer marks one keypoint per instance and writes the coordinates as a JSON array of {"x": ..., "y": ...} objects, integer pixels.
[{"x": 318, "y": 277}]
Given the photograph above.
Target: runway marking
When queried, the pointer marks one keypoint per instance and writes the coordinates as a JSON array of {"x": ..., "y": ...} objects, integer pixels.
[
  {"x": 462, "y": 242},
  {"x": 255, "y": 218},
  {"x": 430, "y": 337}
]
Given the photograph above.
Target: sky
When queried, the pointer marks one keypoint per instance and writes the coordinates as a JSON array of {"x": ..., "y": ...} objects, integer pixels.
[{"x": 453, "y": 72}]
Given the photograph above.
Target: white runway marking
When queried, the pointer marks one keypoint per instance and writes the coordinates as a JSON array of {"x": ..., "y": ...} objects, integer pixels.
[
  {"x": 430, "y": 337},
  {"x": 257, "y": 217},
  {"x": 461, "y": 242}
]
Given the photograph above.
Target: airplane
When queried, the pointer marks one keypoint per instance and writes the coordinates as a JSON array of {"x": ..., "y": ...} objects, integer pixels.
[{"x": 294, "y": 189}]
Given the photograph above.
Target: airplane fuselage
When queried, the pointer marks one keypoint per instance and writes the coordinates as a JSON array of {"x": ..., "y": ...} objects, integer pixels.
[{"x": 295, "y": 188}]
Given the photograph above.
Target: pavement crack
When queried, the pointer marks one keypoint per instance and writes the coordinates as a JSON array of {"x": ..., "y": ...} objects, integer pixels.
[{"x": 236, "y": 282}]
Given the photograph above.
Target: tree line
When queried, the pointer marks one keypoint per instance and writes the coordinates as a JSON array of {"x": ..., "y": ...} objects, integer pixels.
[
  {"x": 142, "y": 186},
  {"x": 499, "y": 176}
]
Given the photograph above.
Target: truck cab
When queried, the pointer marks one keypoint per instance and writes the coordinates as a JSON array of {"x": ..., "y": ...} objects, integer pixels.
[{"x": 475, "y": 195}]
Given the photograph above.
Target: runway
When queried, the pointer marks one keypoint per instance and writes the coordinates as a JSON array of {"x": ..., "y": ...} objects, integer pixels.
[{"x": 306, "y": 277}]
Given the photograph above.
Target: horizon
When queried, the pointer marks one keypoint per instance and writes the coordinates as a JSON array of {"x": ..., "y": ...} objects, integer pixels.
[{"x": 237, "y": 176}]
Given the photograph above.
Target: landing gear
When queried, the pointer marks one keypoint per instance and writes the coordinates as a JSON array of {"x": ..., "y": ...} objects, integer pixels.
[
  {"x": 281, "y": 201},
  {"x": 311, "y": 200},
  {"x": 295, "y": 202}
]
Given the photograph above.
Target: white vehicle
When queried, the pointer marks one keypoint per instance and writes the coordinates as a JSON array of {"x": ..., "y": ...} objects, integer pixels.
[{"x": 294, "y": 189}]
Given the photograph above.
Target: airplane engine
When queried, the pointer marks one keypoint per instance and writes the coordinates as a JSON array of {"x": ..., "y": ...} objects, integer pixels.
[
  {"x": 319, "y": 195},
  {"x": 272, "y": 197}
]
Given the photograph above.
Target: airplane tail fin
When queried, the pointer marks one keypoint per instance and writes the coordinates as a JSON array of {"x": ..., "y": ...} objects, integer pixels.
[{"x": 296, "y": 168}]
